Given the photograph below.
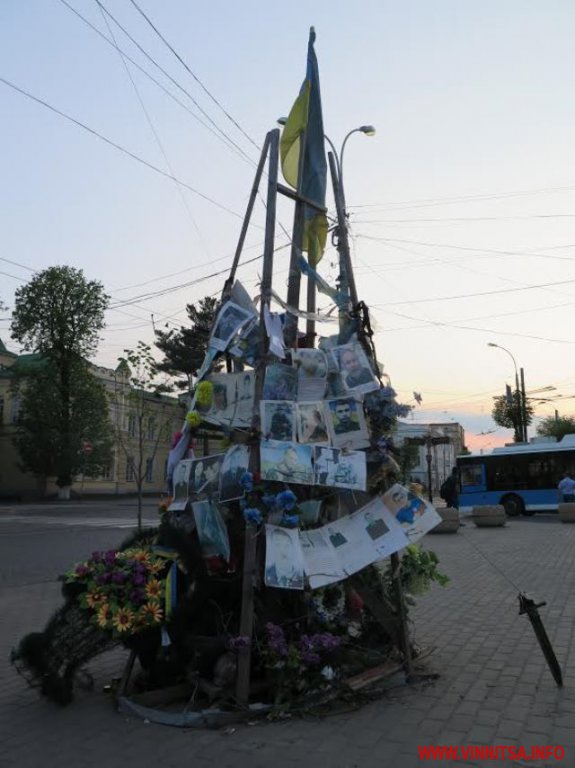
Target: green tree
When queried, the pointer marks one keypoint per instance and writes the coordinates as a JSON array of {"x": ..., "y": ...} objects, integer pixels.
[
  {"x": 556, "y": 426},
  {"x": 59, "y": 315},
  {"x": 184, "y": 349},
  {"x": 408, "y": 459},
  {"x": 39, "y": 439},
  {"x": 143, "y": 415},
  {"x": 508, "y": 414}
]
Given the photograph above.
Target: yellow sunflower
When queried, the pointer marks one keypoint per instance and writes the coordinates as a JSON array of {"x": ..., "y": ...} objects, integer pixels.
[
  {"x": 123, "y": 619},
  {"x": 141, "y": 557},
  {"x": 94, "y": 599},
  {"x": 152, "y": 613},
  {"x": 157, "y": 566},
  {"x": 154, "y": 589},
  {"x": 104, "y": 616}
]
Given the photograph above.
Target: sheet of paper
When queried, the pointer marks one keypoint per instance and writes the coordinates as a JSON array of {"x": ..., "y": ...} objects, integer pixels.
[
  {"x": 416, "y": 515},
  {"x": 229, "y": 321},
  {"x": 339, "y": 469},
  {"x": 212, "y": 531},
  {"x": 274, "y": 329},
  {"x": 286, "y": 462},
  {"x": 321, "y": 563},
  {"x": 354, "y": 367},
  {"x": 346, "y": 423},
  {"x": 284, "y": 568},
  {"x": 180, "y": 485},
  {"x": 278, "y": 420},
  {"x": 312, "y": 367}
]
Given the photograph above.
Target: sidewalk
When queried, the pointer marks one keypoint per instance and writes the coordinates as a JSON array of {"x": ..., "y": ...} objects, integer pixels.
[{"x": 494, "y": 686}]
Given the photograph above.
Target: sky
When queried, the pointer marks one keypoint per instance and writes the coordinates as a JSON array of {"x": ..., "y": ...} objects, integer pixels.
[{"x": 461, "y": 206}]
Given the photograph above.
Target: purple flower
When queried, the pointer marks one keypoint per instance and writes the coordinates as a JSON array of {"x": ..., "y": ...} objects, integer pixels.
[
  {"x": 139, "y": 580},
  {"x": 241, "y": 641},
  {"x": 247, "y": 481},
  {"x": 286, "y": 500},
  {"x": 110, "y": 557},
  {"x": 81, "y": 570},
  {"x": 137, "y": 597},
  {"x": 118, "y": 577},
  {"x": 276, "y": 639},
  {"x": 252, "y": 515}
]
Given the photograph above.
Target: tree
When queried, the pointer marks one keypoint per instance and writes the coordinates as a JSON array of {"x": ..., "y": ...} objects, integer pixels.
[
  {"x": 142, "y": 414},
  {"x": 508, "y": 414},
  {"x": 408, "y": 460},
  {"x": 556, "y": 426},
  {"x": 59, "y": 315},
  {"x": 39, "y": 439},
  {"x": 184, "y": 350}
]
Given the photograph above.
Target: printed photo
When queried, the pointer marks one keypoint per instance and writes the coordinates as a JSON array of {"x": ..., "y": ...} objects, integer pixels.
[
  {"x": 310, "y": 363},
  {"x": 212, "y": 531},
  {"x": 311, "y": 423},
  {"x": 340, "y": 469},
  {"x": 181, "y": 480},
  {"x": 235, "y": 463},
  {"x": 415, "y": 515},
  {"x": 346, "y": 423},
  {"x": 231, "y": 318},
  {"x": 284, "y": 558},
  {"x": 355, "y": 370},
  {"x": 205, "y": 475},
  {"x": 233, "y": 400},
  {"x": 278, "y": 420},
  {"x": 280, "y": 382},
  {"x": 286, "y": 462}
]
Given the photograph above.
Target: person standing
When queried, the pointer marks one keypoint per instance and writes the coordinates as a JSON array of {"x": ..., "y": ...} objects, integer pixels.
[
  {"x": 566, "y": 487},
  {"x": 450, "y": 489}
]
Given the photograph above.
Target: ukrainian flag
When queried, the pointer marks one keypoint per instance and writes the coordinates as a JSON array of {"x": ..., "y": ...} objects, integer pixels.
[{"x": 302, "y": 151}]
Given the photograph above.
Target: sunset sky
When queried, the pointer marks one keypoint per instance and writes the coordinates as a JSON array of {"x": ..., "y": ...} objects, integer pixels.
[{"x": 461, "y": 206}]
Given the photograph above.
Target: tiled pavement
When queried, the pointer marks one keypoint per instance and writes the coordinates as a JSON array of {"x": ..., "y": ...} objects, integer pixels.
[{"x": 494, "y": 687}]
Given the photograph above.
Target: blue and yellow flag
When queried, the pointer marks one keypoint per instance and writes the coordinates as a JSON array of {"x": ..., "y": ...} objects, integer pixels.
[{"x": 302, "y": 151}]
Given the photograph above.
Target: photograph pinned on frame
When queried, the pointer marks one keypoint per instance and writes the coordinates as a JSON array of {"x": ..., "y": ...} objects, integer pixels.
[
  {"x": 231, "y": 318},
  {"x": 278, "y": 420},
  {"x": 346, "y": 423},
  {"x": 205, "y": 475},
  {"x": 311, "y": 423},
  {"x": 284, "y": 567},
  {"x": 232, "y": 400},
  {"x": 286, "y": 462},
  {"x": 354, "y": 368},
  {"x": 180, "y": 484},
  {"x": 280, "y": 382},
  {"x": 212, "y": 530},
  {"x": 416, "y": 515},
  {"x": 235, "y": 464},
  {"x": 312, "y": 367},
  {"x": 340, "y": 469}
]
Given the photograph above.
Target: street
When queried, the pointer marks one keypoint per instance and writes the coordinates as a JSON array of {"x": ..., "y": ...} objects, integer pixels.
[{"x": 493, "y": 685}]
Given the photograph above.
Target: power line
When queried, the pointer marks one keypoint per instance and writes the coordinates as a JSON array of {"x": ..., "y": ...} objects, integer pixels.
[
  {"x": 175, "y": 82},
  {"x": 119, "y": 147},
  {"x": 196, "y": 78},
  {"x": 468, "y": 219}
]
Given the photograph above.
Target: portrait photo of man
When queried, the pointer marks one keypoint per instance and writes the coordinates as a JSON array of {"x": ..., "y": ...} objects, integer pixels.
[
  {"x": 286, "y": 462},
  {"x": 230, "y": 319},
  {"x": 284, "y": 559},
  {"x": 354, "y": 367},
  {"x": 344, "y": 415},
  {"x": 234, "y": 465}
]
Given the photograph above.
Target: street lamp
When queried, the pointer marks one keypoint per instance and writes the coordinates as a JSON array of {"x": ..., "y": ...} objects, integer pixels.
[{"x": 520, "y": 393}]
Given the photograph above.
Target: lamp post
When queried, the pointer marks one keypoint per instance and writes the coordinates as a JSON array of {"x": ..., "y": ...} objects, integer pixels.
[{"x": 521, "y": 431}]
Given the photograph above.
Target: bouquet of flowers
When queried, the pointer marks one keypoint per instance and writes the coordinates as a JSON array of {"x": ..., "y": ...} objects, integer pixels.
[{"x": 122, "y": 589}]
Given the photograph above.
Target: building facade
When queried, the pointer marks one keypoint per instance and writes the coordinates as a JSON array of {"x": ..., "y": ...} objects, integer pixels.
[
  {"x": 141, "y": 436},
  {"x": 438, "y": 459}
]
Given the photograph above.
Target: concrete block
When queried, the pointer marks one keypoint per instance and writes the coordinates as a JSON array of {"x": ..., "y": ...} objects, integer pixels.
[{"x": 489, "y": 516}]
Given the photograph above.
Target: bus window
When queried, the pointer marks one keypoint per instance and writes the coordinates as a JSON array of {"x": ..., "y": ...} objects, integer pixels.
[{"x": 472, "y": 475}]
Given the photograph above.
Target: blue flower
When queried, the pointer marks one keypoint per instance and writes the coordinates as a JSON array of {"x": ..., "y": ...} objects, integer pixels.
[
  {"x": 290, "y": 521},
  {"x": 286, "y": 500},
  {"x": 247, "y": 481},
  {"x": 269, "y": 500},
  {"x": 253, "y": 515}
]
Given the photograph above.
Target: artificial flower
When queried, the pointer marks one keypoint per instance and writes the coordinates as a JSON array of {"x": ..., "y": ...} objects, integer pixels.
[
  {"x": 104, "y": 616},
  {"x": 94, "y": 599},
  {"x": 204, "y": 393},
  {"x": 123, "y": 619},
  {"x": 154, "y": 589},
  {"x": 152, "y": 613},
  {"x": 290, "y": 521},
  {"x": 247, "y": 481},
  {"x": 286, "y": 500},
  {"x": 194, "y": 419},
  {"x": 252, "y": 515}
]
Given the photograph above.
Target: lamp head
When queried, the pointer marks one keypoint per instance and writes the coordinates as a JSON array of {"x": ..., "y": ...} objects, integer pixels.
[
  {"x": 281, "y": 120},
  {"x": 492, "y": 344},
  {"x": 369, "y": 130}
]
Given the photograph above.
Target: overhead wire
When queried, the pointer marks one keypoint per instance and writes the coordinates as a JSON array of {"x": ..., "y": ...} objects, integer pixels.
[
  {"x": 119, "y": 147},
  {"x": 196, "y": 78}
]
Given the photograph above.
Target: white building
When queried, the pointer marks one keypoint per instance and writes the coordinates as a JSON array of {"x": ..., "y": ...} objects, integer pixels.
[{"x": 439, "y": 458}]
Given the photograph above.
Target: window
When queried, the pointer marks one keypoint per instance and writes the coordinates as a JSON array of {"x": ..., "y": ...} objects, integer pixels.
[
  {"x": 15, "y": 411},
  {"x": 151, "y": 428},
  {"x": 130, "y": 470},
  {"x": 149, "y": 470},
  {"x": 132, "y": 421},
  {"x": 1, "y": 410},
  {"x": 106, "y": 473}
]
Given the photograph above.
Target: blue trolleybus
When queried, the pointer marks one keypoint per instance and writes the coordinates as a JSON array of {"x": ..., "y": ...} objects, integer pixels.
[{"x": 522, "y": 477}]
